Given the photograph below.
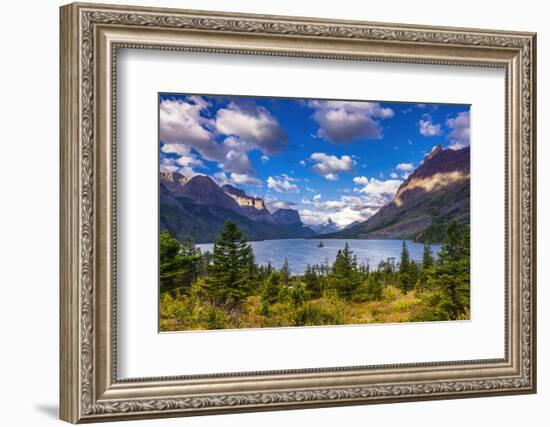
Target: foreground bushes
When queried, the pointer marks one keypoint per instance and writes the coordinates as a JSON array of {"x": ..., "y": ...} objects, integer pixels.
[{"x": 187, "y": 312}]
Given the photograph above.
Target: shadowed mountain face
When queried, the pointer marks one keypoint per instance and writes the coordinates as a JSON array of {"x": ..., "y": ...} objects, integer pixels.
[
  {"x": 198, "y": 207},
  {"x": 203, "y": 191},
  {"x": 287, "y": 217},
  {"x": 437, "y": 192}
]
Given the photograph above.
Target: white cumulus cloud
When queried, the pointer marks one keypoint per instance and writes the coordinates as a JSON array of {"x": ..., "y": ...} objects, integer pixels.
[
  {"x": 361, "y": 180},
  {"x": 460, "y": 130},
  {"x": 342, "y": 122},
  {"x": 253, "y": 124},
  {"x": 246, "y": 179},
  {"x": 182, "y": 123},
  {"x": 330, "y": 166},
  {"x": 237, "y": 162},
  {"x": 274, "y": 205},
  {"x": 405, "y": 167},
  {"x": 343, "y": 212},
  {"x": 379, "y": 192},
  {"x": 188, "y": 129},
  {"x": 428, "y": 128},
  {"x": 282, "y": 184}
]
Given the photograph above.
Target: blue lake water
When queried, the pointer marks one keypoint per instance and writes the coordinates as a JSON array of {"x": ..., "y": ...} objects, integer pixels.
[{"x": 301, "y": 252}]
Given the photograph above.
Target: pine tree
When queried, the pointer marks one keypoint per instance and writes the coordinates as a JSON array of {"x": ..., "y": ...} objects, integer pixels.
[
  {"x": 344, "y": 271},
  {"x": 427, "y": 257},
  {"x": 271, "y": 291},
  {"x": 375, "y": 287},
  {"x": 285, "y": 274},
  {"x": 449, "y": 280},
  {"x": 229, "y": 274},
  {"x": 405, "y": 277},
  {"x": 453, "y": 271},
  {"x": 313, "y": 282},
  {"x": 177, "y": 266},
  {"x": 426, "y": 267},
  {"x": 196, "y": 261}
]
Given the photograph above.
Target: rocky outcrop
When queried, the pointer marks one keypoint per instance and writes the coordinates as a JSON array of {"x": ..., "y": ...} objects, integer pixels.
[{"x": 242, "y": 199}]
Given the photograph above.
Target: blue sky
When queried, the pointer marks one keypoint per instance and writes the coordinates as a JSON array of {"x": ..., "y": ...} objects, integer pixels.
[{"x": 325, "y": 158}]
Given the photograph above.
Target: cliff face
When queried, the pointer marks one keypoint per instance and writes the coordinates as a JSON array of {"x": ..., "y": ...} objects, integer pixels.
[
  {"x": 173, "y": 180},
  {"x": 174, "y": 177},
  {"x": 199, "y": 207},
  {"x": 286, "y": 217},
  {"x": 437, "y": 192},
  {"x": 242, "y": 199}
]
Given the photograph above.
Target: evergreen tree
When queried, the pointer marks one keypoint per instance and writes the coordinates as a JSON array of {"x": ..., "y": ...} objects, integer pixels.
[
  {"x": 196, "y": 262},
  {"x": 375, "y": 287},
  {"x": 406, "y": 279},
  {"x": 298, "y": 294},
  {"x": 405, "y": 259},
  {"x": 427, "y": 257},
  {"x": 345, "y": 274},
  {"x": 312, "y": 282},
  {"x": 285, "y": 274},
  {"x": 177, "y": 266},
  {"x": 271, "y": 292},
  {"x": 428, "y": 263},
  {"x": 449, "y": 280},
  {"x": 229, "y": 274}
]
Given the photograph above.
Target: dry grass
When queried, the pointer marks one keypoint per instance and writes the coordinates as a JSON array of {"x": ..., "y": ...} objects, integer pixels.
[{"x": 184, "y": 314}]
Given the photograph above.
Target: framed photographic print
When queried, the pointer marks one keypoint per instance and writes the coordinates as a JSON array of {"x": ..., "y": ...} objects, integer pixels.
[
  {"x": 266, "y": 219},
  {"x": 264, "y": 212}
]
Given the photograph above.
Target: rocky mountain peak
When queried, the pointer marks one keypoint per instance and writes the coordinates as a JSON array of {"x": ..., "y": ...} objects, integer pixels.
[
  {"x": 329, "y": 226},
  {"x": 441, "y": 169},
  {"x": 286, "y": 216},
  {"x": 203, "y": 182},
  {"x": 203, "y": 190},
  {"x": 436, "y": 150},
  {"x": 174, "y": 177}
]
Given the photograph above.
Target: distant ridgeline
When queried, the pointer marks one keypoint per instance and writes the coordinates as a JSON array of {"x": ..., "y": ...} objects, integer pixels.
[
  {"x": 198, "y": 207},
  {"x": 437, "y": 192}
]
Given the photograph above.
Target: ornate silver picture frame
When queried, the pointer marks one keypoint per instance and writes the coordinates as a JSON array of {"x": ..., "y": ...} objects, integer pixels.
[{"x": 91, "y": 35}]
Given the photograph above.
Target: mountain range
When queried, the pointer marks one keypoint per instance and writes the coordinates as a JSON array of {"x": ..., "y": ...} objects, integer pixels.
[
  {"x": 437, "y": 192},
  {"x": 198, "y": 207}
]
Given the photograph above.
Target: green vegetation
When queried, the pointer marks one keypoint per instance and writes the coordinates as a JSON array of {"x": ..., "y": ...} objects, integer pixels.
[{"x": 226, "y": 289}]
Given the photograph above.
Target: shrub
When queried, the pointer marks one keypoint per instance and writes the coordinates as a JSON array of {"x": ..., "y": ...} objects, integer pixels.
[
  {"x": 390, "y": 294},
  {"x": 319, "y": 312}
]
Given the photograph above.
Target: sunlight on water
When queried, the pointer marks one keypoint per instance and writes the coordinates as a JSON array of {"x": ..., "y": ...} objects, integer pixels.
[{"x": 301, "y": 252}]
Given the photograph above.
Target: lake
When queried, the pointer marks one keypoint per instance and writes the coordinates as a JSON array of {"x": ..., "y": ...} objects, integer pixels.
[{"x": 301, "y": 252}]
